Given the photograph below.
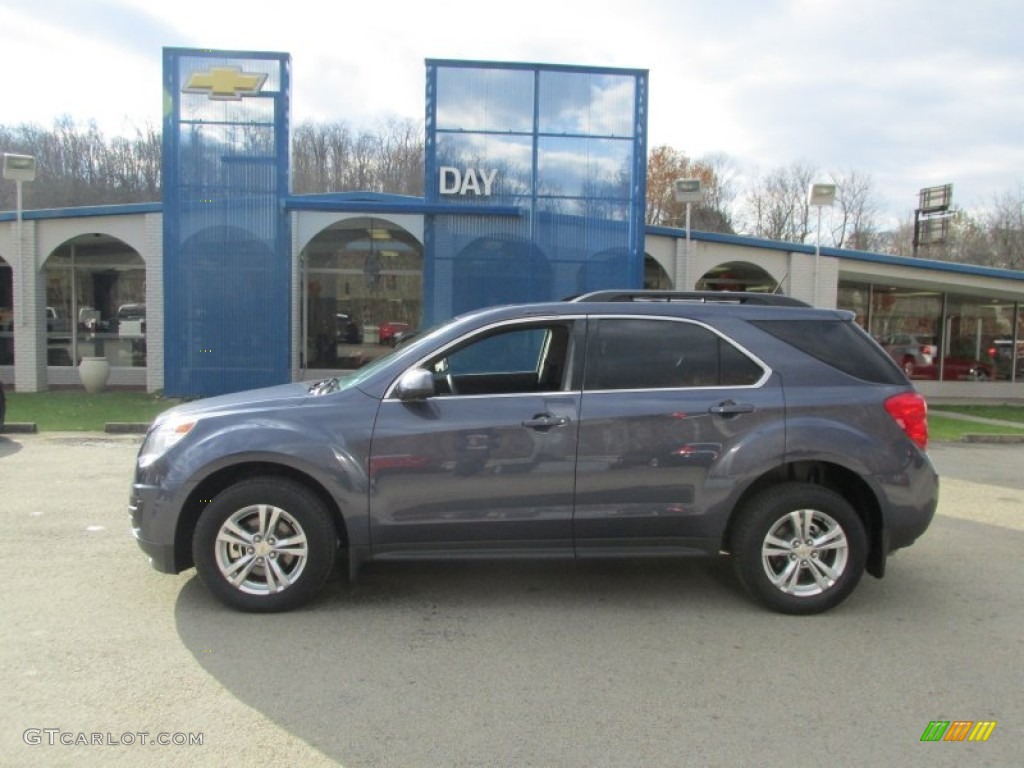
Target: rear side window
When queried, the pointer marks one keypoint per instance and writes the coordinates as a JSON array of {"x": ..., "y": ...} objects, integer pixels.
[
  {"x": 624, "y": 353},
  {"x": 838, "y": 343}
]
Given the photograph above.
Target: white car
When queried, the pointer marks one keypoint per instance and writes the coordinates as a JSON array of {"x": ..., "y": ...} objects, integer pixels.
[{"x": 911, "y": 350}]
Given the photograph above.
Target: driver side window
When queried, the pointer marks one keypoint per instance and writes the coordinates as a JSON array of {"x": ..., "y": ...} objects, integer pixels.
[{"x": 508, "y": 360}]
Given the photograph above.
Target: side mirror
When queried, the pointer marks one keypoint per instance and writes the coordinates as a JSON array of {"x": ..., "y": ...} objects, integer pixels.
[{"x": 415, "y": 384}]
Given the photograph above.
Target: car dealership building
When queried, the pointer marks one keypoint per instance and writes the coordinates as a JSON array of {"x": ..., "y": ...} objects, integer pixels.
[{"x": 534, "y": 190}]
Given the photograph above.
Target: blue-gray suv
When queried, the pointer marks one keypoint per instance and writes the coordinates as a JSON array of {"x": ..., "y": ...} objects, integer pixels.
[{"x": 615, "y": 424}]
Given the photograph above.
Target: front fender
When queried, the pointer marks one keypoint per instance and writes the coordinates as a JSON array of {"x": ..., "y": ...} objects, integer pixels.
[{"x": 315, "y": 448}]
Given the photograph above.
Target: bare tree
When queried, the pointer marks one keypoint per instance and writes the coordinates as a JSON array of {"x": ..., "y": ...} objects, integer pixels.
[
  {"x": 854, "y": 213},
  {"x": 1004, "y": 224},
  {"x": 401, "y": 157},
  {"x": 77, "y": 166},
  {"x": 720, "y": 194},
  {"x": 897, "y": 242},
  {"x": 331, "y": 158},
  {"x": 776, "y": 206}
]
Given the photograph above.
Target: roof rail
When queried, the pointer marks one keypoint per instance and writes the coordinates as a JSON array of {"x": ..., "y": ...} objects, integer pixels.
[{"x": 697, "y": 297}]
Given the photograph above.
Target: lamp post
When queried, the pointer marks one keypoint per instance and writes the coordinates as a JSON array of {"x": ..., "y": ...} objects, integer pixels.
[
  {"x": 687, "y": 191},
  {"x": 819, "y": 195},
  {"x": 20, "y": 168}
]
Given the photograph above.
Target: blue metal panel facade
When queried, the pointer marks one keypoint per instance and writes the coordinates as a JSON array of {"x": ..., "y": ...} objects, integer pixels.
[
  {"x": 227, "y": 272},
  {"x": 567, "y": 146}
]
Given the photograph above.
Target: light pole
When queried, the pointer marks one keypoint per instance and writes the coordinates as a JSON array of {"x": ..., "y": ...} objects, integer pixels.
[
  {"x": 687, "y": 191},
  {"x": 819, "y": 195},
  {"x": 20, "y": 168}
]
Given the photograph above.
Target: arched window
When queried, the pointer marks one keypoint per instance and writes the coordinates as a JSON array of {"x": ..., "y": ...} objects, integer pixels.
[
  {"x": 95, "y": 302},
  {"x": 363, "y": 283},
  {"x": 655, "y": 276},
  {"x": 737, "y": 276}
]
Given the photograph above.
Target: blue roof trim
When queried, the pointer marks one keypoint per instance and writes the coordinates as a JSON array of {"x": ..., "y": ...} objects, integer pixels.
[
  {"x": 401, "y": 204},
  {"x": 749, "y": 242},
  {"x": 80, "y": 213},
  {"x": 841, "y": 253},
  {"x": 358, "y": 196},
  {"x": 216, "y": 53},
  {"x": 944, "y": 266},
  {"x": 535, "y": 65}
]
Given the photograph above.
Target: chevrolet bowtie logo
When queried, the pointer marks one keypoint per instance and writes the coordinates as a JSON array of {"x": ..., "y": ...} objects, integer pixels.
[{"x": 225, "y": 83}]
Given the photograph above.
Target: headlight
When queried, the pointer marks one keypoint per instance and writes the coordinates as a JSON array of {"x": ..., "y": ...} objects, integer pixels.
[{"x": 160, "y": 440}]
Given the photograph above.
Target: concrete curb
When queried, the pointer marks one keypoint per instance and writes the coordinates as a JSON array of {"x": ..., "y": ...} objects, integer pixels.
[
  {"x": 126, "y": 427},
  {"x": 19, "y": 428},
  {"x": 110, "y": 428},
  {"x": 1002, "y": 439}
]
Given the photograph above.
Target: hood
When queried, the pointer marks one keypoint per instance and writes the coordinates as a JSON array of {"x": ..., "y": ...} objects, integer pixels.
[{"x": 282, "y": 395}]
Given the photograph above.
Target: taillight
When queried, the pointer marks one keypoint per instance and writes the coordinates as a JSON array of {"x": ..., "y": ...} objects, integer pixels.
[{"x": 910, "y": 411}]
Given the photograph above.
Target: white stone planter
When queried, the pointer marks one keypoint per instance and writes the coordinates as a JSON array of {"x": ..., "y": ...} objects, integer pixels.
[{"x": 94, "y": 372}]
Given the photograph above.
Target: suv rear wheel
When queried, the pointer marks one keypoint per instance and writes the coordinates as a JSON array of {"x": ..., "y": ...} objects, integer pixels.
[
  {"x": 799, "y": 548},
  {"x": 265, "y": 545}
]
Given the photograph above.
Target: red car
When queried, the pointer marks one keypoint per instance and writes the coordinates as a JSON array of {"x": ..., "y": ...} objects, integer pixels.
[
  {"x": 955, "y": 369},
  {"x": 386, "y": 332}
]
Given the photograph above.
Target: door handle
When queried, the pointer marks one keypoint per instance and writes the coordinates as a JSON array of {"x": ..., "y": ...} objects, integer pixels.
[
  {"x": 731, "y": 408},
  {"x": 546, "y": 421}
]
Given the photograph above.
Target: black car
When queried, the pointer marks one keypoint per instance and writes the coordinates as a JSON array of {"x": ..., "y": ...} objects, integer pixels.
[
  {"x": 617, "y": 424},
  {"x": 347, "y": 329}
]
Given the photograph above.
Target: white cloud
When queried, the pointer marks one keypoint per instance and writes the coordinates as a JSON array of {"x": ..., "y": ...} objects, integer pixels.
[{"x": 905, "y": 90}]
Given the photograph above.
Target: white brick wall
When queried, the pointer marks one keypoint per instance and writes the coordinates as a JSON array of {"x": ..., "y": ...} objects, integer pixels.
[
  {"x": 297, "y": 307},
  {"x": 29, "y": 313},
  {"x": 153, "y": 255}
]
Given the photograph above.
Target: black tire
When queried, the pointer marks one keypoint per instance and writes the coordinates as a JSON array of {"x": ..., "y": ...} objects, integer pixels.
[
  {"x": 809, "y": 573},
  {"x": 240, "y": 532}
]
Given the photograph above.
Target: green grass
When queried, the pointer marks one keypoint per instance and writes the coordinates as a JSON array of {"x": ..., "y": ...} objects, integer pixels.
[
  {"x": 1003, "y": 412},
  {"x": 77, "y": 411},
  {"x": 946, "y": 430}
]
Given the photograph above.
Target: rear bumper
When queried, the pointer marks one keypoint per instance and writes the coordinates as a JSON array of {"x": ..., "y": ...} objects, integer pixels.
[
  {"x": 912, "y": 502},
  {"x": 907, "y": 530}
]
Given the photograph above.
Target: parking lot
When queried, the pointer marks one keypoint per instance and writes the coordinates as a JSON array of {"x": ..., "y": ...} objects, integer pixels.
[{"x": 632, "y": 663}]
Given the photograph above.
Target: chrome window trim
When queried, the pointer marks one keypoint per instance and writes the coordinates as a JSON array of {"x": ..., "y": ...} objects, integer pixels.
[
  {"x": 544, "y": 319},
  {"x": 759, "y": 384}
]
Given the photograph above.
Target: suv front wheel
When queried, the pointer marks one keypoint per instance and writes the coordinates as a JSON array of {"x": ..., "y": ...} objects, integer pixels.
[
  {"x": 265, "y": 545},
  {"x": 799, "y": 548}
]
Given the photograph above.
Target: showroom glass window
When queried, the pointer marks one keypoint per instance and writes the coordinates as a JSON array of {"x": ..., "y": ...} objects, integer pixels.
[
  {"x": 978, "y": 334},
  {"x": 363, "y": 284},
  {"x": 1015, "y": 356},
  {"x": 95, "y": 303},
  {"x": 907, "y": 324},
  {"x": 947, "y": 337}
]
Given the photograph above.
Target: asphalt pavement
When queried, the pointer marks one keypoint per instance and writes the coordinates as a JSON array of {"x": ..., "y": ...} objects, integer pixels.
[{"x": 499, "y": 664}]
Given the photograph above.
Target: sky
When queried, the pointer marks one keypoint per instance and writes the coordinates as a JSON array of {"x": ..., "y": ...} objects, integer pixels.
[{"x": 913, "y": 93}]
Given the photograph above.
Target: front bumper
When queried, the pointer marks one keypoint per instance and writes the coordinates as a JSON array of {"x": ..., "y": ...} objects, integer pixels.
[{"x": 143, "y": 507}]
